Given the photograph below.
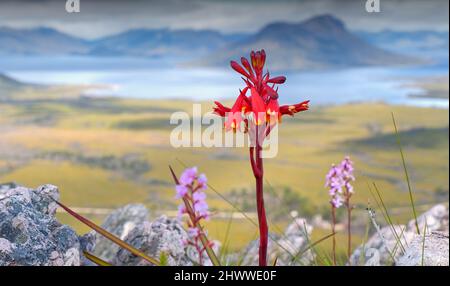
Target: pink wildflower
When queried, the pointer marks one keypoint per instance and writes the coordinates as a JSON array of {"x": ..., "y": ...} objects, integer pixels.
[
  {"x": 188, "y": 176},
  {"x": 191, "y": 189}
]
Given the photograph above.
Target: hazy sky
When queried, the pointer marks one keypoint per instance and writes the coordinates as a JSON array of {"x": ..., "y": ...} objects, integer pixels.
[{"x": 98, "y": 18}]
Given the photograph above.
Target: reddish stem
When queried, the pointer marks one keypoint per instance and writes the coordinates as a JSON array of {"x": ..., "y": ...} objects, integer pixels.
[
  {"x": 333, "y": 230},
  {"x": 349, "y": 229},
  {"x": 255, "y": 170},
  {"x": 262, "y": 220}
]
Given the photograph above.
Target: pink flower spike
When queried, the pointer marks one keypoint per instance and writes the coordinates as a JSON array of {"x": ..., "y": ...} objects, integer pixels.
[
  {"x": 181, "y": 211},
  {"x": 202, "y": 179},
  {"x": 199, "y": 196},
  {"x": 190, "y": 190},
  {"x": 336, "y": 202},
  {"x": 181, "y": 191},
  {"x": 188, "y": 176},
  {"x": 201, "y": 207}
]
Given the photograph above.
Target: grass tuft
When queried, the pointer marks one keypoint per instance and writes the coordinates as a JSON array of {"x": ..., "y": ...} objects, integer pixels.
[
  {"x": 423, "y": 243},
  {"x": 406, "y": 174}
]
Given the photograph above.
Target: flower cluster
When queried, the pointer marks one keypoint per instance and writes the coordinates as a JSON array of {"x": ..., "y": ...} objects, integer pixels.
[
  {"x": 190, "y": 189},
  {"x": 338, "y": 181},
  {"x": 261, "y": 107}
]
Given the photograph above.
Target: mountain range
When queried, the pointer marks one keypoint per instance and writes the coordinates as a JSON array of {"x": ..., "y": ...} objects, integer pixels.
[
  {"x": 40, "y": 41},
  {"x": 320, "y": 42},
  {"x": 317, "y": 43}
]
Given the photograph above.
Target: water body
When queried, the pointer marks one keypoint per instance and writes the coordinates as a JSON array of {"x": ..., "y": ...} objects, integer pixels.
[{"x": 156, "y": 79}]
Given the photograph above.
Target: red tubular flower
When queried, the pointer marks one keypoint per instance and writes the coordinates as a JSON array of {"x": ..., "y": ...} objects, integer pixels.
[
  {"x": 237, "y": 67},
  {"x": 258, "y": 60},
  {"x": 273, "y": 111},
  {"x": 270, "y": 93},
  {"x": 220, "y": 110},
  {"x": 247, "y": 66},
  {"x": 258, "y": 107},
  {"x": 262, "y": 111},
  {"x": 292, "y": 109},
  {"x": 235, "y": 115},
  {"x": 277, "y": 80}
]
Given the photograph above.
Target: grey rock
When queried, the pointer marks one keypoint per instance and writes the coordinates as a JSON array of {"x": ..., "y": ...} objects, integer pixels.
[
  {"x": 436, "y": 219},
  {"x": 433, "y": 251},
  {"x": 87, "y": 243},
  {"x": 383, "y": 248},
  {"x": 164, "y": 235},
  {"x": 120, "y": 222},
  {"x": 29, "y": 232}
]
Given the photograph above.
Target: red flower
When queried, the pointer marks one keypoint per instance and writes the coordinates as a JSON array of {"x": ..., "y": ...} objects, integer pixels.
[
  {"x": 220, "y": 109},
  {"x": 258, "y": 108},
  {"x": 261, "y": 109},
  {"x": 236, "y": 113},
  {"x": 292, "y": 109},
  {"x": 273, "y": 111},
  {"x": 263, "y": 103}
]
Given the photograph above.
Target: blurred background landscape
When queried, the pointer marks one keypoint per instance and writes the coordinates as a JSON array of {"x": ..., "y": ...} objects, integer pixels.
[{"x": 85, "y": 102}]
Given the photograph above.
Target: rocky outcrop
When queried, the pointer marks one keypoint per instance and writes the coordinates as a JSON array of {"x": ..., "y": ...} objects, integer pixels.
[
  {"x": 164, "y": 235},
  {"x": 29, "y": 232},
  {"x": 120, "y": 222},
  {"x": 382, "y": 248},
  {"x": 431, "y": 250},
  {"x": 31, "y": 235},
  {"x": 436, "y": 219},
  {"x": 396, "y": 242}
]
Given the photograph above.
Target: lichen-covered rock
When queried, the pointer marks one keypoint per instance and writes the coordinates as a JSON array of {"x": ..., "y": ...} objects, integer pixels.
[
  {"x": 433, "y": 251},
  {"x": 436, "y": 219},
  {"x": 120, "y": 222},
  {"x": 286, "y": 248},
  {"x": 87, "y": 243},
  {"x": 383, "y": 250},
  {"x": 379, "y": 251},
  {"x": 29, "y": 232},
  {"x": 162, "y": 235}
]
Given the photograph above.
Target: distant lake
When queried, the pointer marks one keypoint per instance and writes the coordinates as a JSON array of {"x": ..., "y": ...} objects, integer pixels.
[{"x": 155, "y": 79}]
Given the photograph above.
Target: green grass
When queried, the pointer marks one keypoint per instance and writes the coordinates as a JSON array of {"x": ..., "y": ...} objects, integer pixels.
[{"x": 424, "y": 138}]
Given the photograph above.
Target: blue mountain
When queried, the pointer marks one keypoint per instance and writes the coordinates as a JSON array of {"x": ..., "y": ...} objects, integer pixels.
[
  {"x": 163, "y": 42},
  {"x": 40, "y": 41},
  {"x": 317, "y": 43},
  {"x": 320, "y": 42}
]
